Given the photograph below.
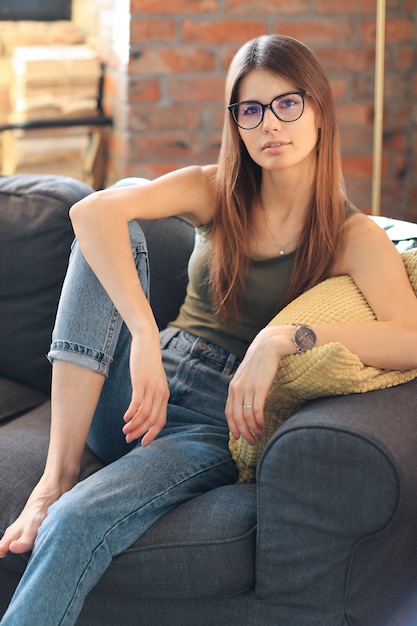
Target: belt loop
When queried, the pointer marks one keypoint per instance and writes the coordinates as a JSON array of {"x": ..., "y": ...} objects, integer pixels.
[{"x": 229, "y": 365}]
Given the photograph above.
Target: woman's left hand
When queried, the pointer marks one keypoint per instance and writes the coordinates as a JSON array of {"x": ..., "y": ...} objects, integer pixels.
[{"x": 251, "y": 383}]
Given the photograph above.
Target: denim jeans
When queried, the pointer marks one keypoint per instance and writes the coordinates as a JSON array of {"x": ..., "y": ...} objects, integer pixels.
[{"x": 104, "y": 514}]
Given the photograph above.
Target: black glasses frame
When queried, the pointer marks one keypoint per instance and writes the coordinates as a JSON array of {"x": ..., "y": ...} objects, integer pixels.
[{"x": 233, "y": 108}]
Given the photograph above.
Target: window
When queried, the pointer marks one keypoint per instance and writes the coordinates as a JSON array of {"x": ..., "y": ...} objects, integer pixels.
[{"x": 45, "y": 10}]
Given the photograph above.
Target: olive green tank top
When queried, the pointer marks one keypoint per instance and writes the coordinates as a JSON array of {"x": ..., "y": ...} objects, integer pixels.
[{"x": 259, "y": 306}]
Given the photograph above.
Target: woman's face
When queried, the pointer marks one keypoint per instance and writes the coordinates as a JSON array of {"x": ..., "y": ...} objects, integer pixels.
[{"x": 276, "y": 145}]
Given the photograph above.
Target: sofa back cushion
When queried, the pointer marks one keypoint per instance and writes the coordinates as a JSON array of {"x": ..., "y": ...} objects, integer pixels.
[
  {"x": 170, "y": 241},
  {"x": 35, "y": 239}
]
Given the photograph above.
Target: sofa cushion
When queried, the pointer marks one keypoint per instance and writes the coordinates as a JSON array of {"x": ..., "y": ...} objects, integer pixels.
[
  {"x": 203, "y": 548},
  {"x": 170, "y": 241},
  {"x": 35, "y": 238},
  {"x": 23, "y": 447},
  {"x": 15, "y": 399}
]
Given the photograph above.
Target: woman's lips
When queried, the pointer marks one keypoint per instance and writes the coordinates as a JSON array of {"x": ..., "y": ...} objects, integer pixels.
[{"x": 275, "y": 145}]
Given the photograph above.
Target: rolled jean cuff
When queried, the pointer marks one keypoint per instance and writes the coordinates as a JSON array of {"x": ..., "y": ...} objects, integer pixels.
[{"x": 92, "y": 359}]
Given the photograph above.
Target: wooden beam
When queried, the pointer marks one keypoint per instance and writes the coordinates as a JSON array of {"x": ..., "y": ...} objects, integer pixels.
[{"x": 378, "y": 106}]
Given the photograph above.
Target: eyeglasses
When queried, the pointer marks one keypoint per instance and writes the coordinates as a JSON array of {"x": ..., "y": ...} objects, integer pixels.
[{"x": 288, "y": 107}]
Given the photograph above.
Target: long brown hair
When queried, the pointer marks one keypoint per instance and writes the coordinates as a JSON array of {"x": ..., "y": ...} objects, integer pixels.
[{"x": 239, "y": 180}]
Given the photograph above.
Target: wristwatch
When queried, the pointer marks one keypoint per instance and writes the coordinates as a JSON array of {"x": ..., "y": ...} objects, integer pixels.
[{"x": 304, "y": 338}]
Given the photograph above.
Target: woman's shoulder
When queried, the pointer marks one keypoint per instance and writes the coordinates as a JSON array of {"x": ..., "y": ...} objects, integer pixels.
[
  {"x": 363, "y": 240},
  {"x": 201, "y": 188},
  {"x": 188, "y": 191}
]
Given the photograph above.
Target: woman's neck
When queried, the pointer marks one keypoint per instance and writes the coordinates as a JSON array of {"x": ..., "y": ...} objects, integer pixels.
[{"x": 285, "y": 200}]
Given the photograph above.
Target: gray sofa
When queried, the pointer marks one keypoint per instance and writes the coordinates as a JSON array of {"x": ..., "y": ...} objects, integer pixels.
[{"x": 326, "y": 537}]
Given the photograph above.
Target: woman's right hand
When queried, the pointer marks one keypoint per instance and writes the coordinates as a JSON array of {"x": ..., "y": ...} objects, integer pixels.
[{"x": 146, "y": 414}]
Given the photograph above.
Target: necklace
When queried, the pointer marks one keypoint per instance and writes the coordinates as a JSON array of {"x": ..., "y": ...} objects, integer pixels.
[{"x": 280, "y": 245}]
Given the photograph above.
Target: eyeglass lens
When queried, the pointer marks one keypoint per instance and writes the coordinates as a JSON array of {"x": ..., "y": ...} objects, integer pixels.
[{"x": 287, "y": 108}]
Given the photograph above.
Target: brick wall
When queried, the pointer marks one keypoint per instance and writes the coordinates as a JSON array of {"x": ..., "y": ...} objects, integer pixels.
[{"x": 165, "y": 69}]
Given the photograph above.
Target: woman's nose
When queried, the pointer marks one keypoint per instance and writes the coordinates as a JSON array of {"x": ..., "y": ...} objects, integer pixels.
[{"x": 270, "y": 120}]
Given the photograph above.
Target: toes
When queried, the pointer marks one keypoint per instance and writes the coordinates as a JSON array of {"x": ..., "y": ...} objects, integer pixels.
[{"x": 20, "y": 546}]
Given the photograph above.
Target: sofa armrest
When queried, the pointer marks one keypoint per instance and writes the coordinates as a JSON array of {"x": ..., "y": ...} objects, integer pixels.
[{"x": 337, "y": 510}]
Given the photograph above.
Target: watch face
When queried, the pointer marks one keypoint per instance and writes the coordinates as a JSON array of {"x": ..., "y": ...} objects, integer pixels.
[{"x": 305, "y": 338}]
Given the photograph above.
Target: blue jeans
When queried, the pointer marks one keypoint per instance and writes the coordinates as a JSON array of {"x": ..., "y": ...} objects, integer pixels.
[{"x": 104, "y": 514}]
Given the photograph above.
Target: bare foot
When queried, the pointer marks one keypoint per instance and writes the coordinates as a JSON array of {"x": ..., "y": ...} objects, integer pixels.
[{"x": 20, "y": 536}]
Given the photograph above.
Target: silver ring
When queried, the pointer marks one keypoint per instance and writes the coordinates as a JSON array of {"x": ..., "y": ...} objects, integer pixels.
[{"x": 247, "y": 406}]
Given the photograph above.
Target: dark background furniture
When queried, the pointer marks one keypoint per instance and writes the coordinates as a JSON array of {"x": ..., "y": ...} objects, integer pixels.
[{"x": 326, "y": 537}]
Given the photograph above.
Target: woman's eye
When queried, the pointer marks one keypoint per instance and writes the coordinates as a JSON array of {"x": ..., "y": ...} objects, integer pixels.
[
  {"x": 251, "y": 109},
  {"x": 287, "y": 103}
]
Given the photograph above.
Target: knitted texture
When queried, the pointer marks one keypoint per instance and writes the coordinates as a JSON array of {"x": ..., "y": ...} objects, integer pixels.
[{"x": 325, "y": 370}]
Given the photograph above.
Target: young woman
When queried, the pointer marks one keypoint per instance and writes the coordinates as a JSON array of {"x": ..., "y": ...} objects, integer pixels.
[{"x": 272, "y": 220}]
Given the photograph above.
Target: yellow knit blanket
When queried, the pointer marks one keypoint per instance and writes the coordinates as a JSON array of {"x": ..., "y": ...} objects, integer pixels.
[{"x": 326, "y": 370}]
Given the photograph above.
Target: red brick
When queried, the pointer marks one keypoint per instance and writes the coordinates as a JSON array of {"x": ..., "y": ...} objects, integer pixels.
[
  {"x": 354, "y": 114},
  {"x": 395, "y": 139},
  {"x": 222, "y": 31},
  {"x": 318, "y": 31},
  {"x": 172, "y": 60},
  {"x": 339, "y": 87},
  {"x": 143, "y": 89},
  {"x": 363, "y": 87},
  {"x": 215, "y": 116},
  {"x": 211, "y": 152},
  {"x": 351, "y": 7},
  {"x": 225, "y": 57},
  {"x": 410, "y": 214},
  {"x": 209, "y": 89},
  {"x": 179, "y": 6},
  {"x": 395, "y": 84},
  {"x": 154, "y": 29},
  {"x": 401, "y": 114},
  {"x": 268, "y": 7},
  {"x": 400, "y": 165},
  {"x": 164, "y": 118},
  {"x": 404, "y": 57},
  {"x": 344, "y": 58},
  {"x": 357, "y": 140},
  {"x": 399, "y": 29},
  {"x": 392, "y": 195},
  {"x": 396, "y": 29},
  {"x": 357, "y": 165},
  {"x": 368, "y": 31},
  {"x": 161, "y": 146},
  {"x": 410, "y": 6},
  {"x": 359, "y": 192}
]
